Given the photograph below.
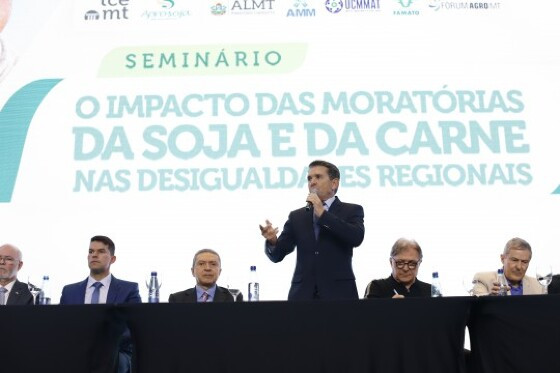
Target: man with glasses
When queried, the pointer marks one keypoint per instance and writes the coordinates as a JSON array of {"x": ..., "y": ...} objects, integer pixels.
[
  {"x": 405, "y": 259},
  {"x": 515, "y": 259},
  {"x": 12, "y": 291}
]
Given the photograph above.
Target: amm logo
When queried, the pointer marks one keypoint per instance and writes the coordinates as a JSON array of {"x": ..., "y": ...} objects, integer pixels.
[
  {"x": 300, "y": 10},
  {"x": 334, "y": 6}
]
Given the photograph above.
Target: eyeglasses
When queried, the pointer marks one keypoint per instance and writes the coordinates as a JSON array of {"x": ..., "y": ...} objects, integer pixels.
[
  {"x": 7, "y": 259},
  {"x": 411, "y": 264}
]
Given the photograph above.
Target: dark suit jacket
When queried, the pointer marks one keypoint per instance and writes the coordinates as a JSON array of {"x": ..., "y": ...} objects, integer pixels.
[
  {"x": 554, "y": 287},
  {"x": 384, "y": 288},
  {"x": 19, "y": 295},
  {"x": 120, "y": 291},
  {"x": 323, "y": 265},
  {"x": 189, "y": 296}
]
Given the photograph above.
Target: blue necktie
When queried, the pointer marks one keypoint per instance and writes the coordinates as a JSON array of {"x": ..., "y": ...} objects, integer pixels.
[
  {"x": 2, "y": 295},
  {"x": 95, "y": 295},
  {"x": 316, "y": 227}
]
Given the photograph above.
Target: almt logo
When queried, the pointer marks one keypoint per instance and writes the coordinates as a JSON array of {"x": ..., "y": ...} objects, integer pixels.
[{"x": 218, "y": 9}]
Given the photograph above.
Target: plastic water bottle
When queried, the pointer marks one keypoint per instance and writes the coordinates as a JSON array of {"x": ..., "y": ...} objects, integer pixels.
[
  {"x": 44, "y": 295},
  {"x": 502, "y": 281},
  {"x": 153, "y": 288},
  {"x": 253, "y": 285},
  {"x": 436, "y": 287}
]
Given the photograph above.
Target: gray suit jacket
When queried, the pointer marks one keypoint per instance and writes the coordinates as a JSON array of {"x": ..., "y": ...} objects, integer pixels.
[
  {"x": 19, "y": 295},
  {"x": 484, "y": 282},
  {"x": 189, "y": 296}
]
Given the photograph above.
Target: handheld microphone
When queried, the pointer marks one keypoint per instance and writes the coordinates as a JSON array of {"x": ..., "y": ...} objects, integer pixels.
[{"x": 309, "y": 205}]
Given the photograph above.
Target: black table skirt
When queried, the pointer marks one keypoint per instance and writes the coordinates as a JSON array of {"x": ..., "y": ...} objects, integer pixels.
[{"x": 508, "y": 334}]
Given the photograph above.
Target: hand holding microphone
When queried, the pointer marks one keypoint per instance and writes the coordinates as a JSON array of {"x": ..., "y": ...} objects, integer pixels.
[{"x": 312, "y": 199}]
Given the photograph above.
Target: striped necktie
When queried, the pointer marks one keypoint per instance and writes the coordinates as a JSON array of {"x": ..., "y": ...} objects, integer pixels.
[{"x": 204, "y": 297}]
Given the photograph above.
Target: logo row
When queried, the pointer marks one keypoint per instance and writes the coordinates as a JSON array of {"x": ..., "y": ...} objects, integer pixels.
[{"x": 122, "y": 10}]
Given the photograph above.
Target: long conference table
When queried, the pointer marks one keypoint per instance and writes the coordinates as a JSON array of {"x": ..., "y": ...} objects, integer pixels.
[{"x": 508, "y": 334}]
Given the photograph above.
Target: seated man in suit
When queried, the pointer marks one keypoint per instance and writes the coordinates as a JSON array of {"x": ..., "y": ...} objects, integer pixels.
[
  {"x": 554, "y": 287},
  {"x": 102, "y": 287},
  {"x": 12, "y": 291},
  {"x": 206, "y": 268},
  {"x": 515, "y": 259},
  {"x": 405, "y": 259}
]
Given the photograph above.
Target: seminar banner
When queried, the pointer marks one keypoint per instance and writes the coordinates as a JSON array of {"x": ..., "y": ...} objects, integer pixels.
[{"x": 175, "y": 125}]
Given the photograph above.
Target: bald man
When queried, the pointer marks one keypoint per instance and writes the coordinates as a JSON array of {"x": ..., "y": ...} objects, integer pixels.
[
  {"x": 5, "y": 60},
  {"x": 12, "y": 292}
]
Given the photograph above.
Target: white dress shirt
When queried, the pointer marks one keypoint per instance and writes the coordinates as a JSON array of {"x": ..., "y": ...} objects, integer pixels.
[{"x": 102, "y": 290}]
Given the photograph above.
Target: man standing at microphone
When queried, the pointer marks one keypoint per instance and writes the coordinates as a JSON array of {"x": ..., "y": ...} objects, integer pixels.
[{"x": 325, "y": 233}]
